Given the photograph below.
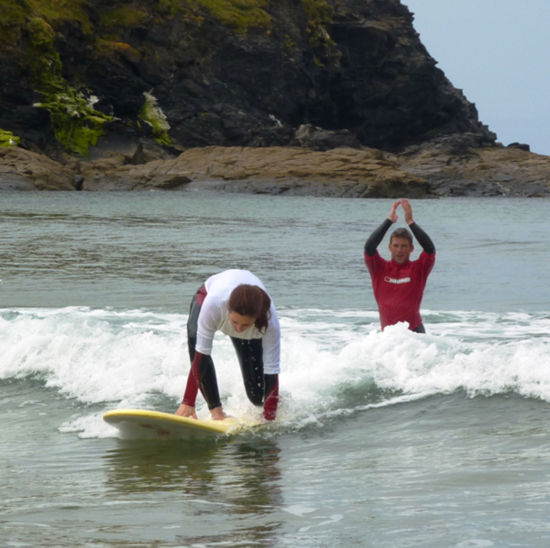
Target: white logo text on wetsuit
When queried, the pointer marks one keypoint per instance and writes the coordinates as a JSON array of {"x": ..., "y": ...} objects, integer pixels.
[{"x": 397, "y": 280}]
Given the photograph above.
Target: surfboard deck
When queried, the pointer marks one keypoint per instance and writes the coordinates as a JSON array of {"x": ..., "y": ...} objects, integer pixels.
[{"x": 147, "y": 424}]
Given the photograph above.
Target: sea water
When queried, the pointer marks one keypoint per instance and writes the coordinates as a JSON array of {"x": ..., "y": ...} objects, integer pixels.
[{"x": 382, "y": 439}]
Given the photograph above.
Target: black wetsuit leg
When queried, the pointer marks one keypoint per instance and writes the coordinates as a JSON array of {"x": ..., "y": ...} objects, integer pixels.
[
  {"x": 250, "y": 356},
  {"x": 192, "y": 325}
]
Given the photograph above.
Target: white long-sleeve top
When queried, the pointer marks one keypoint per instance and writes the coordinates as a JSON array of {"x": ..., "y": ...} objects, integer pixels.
[{"x": 214, "y": 316}]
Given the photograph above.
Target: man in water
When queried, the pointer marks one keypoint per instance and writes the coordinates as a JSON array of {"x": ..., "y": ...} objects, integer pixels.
[{"x": 398, "y": 284}]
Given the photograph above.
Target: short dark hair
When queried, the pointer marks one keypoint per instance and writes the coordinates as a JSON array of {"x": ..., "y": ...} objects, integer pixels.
[
  {"x": 402, "y": 233},
  {"x": 253, "y": 301}
]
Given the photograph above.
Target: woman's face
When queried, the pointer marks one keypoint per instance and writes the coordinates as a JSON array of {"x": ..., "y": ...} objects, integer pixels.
[{"x": 240, "y": 323}]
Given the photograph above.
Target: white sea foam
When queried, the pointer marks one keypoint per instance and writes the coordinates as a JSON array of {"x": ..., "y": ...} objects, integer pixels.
[{"x": 114, "y": 359}]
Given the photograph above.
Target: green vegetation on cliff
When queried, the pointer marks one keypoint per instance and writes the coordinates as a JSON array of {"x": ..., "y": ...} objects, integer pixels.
[
  {"x": 14, "y": 14},
  {"x": 152, "y": 115},
  {"x": 29, "y": 28},
  {"x": 125, "y": 16},
  {"x": 242, "y": 15},
  {"x": 239, "y": 14},
  {"x": 319, "y": 14},
  {"x": 8, "y": 139},
  {"x": 74, "y": 121}
]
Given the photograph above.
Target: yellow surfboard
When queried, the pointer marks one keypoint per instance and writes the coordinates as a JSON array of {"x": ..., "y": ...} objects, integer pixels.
[{"x": 146, "y": 424}]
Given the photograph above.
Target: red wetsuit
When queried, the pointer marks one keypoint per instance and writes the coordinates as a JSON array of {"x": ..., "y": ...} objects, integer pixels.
[{"x": 398, "y": 288}]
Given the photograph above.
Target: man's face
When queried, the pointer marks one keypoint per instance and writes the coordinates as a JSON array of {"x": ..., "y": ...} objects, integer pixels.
[{"x": 400, "y": 249}]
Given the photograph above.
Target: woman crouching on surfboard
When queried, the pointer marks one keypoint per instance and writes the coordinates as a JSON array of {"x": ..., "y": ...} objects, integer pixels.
[{"x": 236, "y": 303}]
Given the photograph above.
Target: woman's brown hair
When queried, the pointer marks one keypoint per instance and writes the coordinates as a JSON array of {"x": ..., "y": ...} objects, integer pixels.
[{"x": 253, "y": 301}]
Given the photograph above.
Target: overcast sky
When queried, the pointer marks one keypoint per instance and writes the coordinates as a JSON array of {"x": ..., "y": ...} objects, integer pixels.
[{"x": 498, "y": 53}]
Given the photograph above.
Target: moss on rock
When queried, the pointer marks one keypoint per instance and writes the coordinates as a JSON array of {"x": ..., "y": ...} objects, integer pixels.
[
  {"x": 59, "y": 11},
  {"x": 75, "y": 122},
  {"x": 241, "y": 15},
  {"x": 152, "y": 115},
  {"x": 111, "y": 48},
  {"x": 125, "y": 16},
  {"x": 8, "y": 139},
  {"x": 319, "y": 15}
]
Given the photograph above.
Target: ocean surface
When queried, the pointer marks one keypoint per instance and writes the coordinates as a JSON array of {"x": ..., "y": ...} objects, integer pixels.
[{"x": 383, "y": 439}]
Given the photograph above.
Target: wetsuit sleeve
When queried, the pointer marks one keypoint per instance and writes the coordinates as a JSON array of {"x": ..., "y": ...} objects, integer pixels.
[
  {"x": 376, "y": 237},
  {"x": 202, "y": 375},
  {"x": 423, "y": 239},
  {"x": 271, "y": 396}
]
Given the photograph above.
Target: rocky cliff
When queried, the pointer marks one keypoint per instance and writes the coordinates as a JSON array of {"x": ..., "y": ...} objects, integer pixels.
[{"x": 105, "y": 87}]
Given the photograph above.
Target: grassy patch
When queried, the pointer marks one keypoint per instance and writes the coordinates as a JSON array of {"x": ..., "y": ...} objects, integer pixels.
[
  {"x": 8, "y": 139},
  {"x": 126, "y": 16},
  {"x": 12, "y": 20},
  {"x": 152, "y": 115},
  {"x": 59, "y": 11},
  {"x": 110, "y": 48},
  {"x": 75, "y": 122},
  {"x": 240, "y": 15},
  {"x": 319, "y": 15}
]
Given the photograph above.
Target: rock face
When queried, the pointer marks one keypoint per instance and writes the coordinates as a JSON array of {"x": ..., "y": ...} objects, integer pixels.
[
  {"x": 269, "y": 170},
  {"x": 240, "y": 74},
  {"x": 460, "y": 166},
  {"x": 450, "y": 166},
  {"x": 324, "y": 97},
  {"x": 25, "y": 170}
]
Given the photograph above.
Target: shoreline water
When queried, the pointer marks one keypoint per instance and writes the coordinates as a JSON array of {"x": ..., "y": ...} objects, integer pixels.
[{"x": 387, "y": 439}]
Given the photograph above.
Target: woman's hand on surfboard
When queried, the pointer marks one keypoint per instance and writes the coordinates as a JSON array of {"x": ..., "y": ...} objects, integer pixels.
[
  {"x": 186, "y": 411},
  {"x": 217, "y": 414}
]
